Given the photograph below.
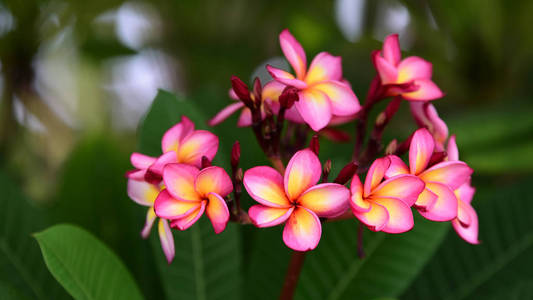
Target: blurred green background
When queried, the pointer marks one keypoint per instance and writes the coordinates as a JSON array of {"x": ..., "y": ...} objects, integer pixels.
[{"x": 77, "y": 77}]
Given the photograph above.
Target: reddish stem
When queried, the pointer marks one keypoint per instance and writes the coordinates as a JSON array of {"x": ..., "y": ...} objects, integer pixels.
[{"x": 293, "y": 273}]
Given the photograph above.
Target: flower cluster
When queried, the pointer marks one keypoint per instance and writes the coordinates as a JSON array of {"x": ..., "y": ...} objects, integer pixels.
[{"x": 181, "y": 185}]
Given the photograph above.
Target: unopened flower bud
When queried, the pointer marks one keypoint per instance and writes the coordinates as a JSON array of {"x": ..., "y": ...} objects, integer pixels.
[
  {"x": 314, "y": 145},
  {"x": 235, "y": 154},
  {"x": 326, "y": 169},
  {"x": 205, "y": 162},
  {"x": 241, "y": 90},
  {"x": 288, "y": 97},
  {"x": 346, "y": 173},
  {"x": 258, "y": 89},
  {"x": 436, "y": 158},
  {"x": 391, "y": 147},
  {"x": 238, "y": 175}
]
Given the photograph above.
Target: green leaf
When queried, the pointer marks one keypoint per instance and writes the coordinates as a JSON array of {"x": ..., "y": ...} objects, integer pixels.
[
  {"x": 206, "y": 265},
  {"x": 84, "y": 266},
  {"x": 333, "y": 270},
  {"x": 24, "y": 274},
  {"x": 500, "y": 266}
]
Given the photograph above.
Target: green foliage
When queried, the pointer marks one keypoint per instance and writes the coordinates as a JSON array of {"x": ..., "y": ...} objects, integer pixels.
[
  {"x": 85, "y": 267},
  {"x": 23, "y": 274},
  {"x": 498, "y": 268},
  {"x": 206, "y": 266}
]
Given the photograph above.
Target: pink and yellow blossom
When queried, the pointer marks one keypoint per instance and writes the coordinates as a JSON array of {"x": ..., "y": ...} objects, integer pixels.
[
  {"x": 190, "y": 192},
  {"x": 413, "y": 71},
  {"x": 466, "y": 224},
  {"x": 295, "y": 199},
  {"x": 322, "y": 92},
  {"x": 426, "y": 115},
  {"x": 385, "y": 205},
  {"x": 437, "y": 202},
  {"x": 269, "y": 96},
  {"x": 145, "y": 193}
]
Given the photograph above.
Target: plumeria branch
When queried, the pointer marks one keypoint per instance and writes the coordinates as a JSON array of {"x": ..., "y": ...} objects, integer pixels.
[{"x": 181, "y": 185}]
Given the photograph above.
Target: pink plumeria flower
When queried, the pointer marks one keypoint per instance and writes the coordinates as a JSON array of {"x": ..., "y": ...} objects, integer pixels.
[
  {"x": 385, "y": 205},
  {"x": 322, "y": 92},
  {"x": 437, "y": 202},
  {"x": 190, "y": 192},
  {"x": 145, "y": 193},
  {"x": 466, "y": 224},
  {"x": 426, "y": 115},
  {"x": 295, "y": 199},
  {"x": 269, "y": 96},
  {"x": 392, "y": 70}
]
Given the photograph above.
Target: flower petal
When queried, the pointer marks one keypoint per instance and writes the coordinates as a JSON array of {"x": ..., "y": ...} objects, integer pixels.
[
  {"x": 391, "y": 49},
  {"x": 412, "y": 68},
  {"x": 375, "y": 218},
  {"x": 187, "y": 221},
  {"x": 265, "y": 185},
  {"x": 293, "y": 115},
  {"x": 420, "y": 151},
  {"x": 396, "y": 167},
  {"x": 400, "y": 215},
  {"x": 199, "y": 143},
  {"x": 136, "y": 174},
  {"x": 272, "y": 90},
  {"x": 315, "y": 108},
  {"x": 285, "y": 77},
  {"x": 245, "y": 119},
  {"x": 155, "y": 171},
  {"x": 451, "y": 173},
  {"x": 324, "y": 67},
  {"x": 179, "y": 181},
  {"x": 303, "y": 171},
  {"x": 142, "y": 192},
  {"x": 264, "y": 216},
  {"x": 294, "y": 52},
  {"x": 375, "y": 174},
  {"x": 426, "y": 200},
  {"x": 342, "y": 98},
  {"x": 451, "y": 150},
  {"x": 217, "y": 211},
  {"x": 213, "y": 180},
  {"x": 387, "y": 72},
  {"x": 225, "y": 113},
  {"x": 403, "y": 187},
  {"x": 141, "y": 161},
  {"x": 233, "y": 95},
  {"x": 470, "y": 233},
  {"x": 303, "y": 230},
  {"x": 167, "y": 207},
  {"x": 167, "y": 240},
  {"x": 427, "y": 90},
  {"x": 150, "y": 218},
  {"x": 445, "y": 208},
  {"x": 173, "y": 137},
  {"x": 326, "y": 199},
  {"x": 465, "y": 192},
  {"x": 462, "y": 213},
  {"x": 357, "y": 202}
]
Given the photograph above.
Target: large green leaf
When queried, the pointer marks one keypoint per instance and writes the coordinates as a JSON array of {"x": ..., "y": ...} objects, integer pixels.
[
  {"x": 206, "y": 266},
  {"x": 91, "y": 193},
  {"x": 498, "y": 268},
  {"x": 23, "y": 274},
  {"x": 85, "y": 267},
  {"x": 333, "y": 270}
]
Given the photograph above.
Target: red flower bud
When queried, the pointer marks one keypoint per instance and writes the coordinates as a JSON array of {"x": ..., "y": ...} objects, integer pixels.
[
  {"x": 314, "y": 145},
  {"x": 346, "y": 173},
  {"x": 288, "y": 97},
  {"x": 205, "y": 162},
  {"x": 241, "y": 90},
  {"x": 235, "y": 154}
]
